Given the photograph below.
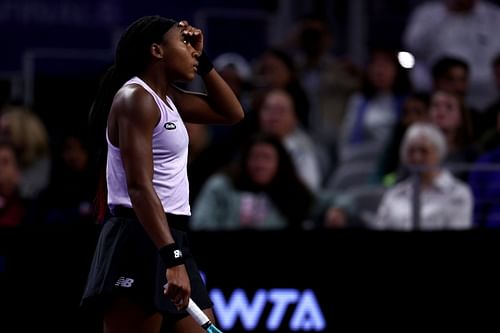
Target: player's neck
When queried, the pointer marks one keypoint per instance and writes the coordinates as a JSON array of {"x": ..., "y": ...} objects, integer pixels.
[{"x": 156, "y": 81}]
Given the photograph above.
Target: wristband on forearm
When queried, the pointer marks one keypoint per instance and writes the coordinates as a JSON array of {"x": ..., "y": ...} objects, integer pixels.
[
  {"x": 171, "y": 255},
  {"x": 204, "y": 64}
]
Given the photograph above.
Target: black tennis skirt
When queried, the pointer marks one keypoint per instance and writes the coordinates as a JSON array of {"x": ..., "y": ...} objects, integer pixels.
[{"x": 126, "y": 262}]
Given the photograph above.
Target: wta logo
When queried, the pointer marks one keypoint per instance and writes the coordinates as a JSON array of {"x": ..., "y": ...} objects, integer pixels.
[{"x": 306, "y": 314}]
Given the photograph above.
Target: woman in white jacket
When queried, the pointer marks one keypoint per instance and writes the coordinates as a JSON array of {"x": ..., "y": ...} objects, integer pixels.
[{"x": 431, "y": 198}]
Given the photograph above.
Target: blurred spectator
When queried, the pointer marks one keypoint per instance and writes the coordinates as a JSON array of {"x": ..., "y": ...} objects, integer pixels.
[
  {"x": 261, "y": 192},
  {"x": 490, "y": 138},
  {"x": 444, "y": 202},
  {"x": 237, "y": 72},
  {"x": 489, "y": 122},
  {"x": 333, "y": 210},
  {"x": 335, "y": 218},
  {"x": 415, "y": 109},
  {"x": 278, "y": 116},
  {"x": 328, "y": 80},
  {"x": 69, "y": 198},
  {"x": 28, "y": 134},
  {"x": 205, "y": 157},
  {"x": 459, "y": 28},
  {"x": 372, "y": 114},
  {"x": 12, "y": 206},
  {"x": 451, "y": 74},
  {"x": 275, "y": 69},
  {"x": 449, "y": 114},
  {"x": 484, "y": 179}
]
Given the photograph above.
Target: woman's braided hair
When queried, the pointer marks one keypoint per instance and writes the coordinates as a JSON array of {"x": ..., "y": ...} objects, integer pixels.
[{"x": 131, "y": 58}]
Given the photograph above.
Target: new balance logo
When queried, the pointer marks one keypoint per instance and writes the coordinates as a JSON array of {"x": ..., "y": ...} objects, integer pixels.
[
  {"x": 124, "y": 282},
  {"x": 177, "y": 254}
]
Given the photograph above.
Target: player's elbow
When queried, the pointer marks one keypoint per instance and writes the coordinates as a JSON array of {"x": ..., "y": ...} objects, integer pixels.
[
  {"x": 137, "y": 190},
  {"x": 236, "y": 116}
]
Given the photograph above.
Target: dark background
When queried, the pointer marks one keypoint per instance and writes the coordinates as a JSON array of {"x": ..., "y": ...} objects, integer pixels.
[{"x": 377, "y": 280}]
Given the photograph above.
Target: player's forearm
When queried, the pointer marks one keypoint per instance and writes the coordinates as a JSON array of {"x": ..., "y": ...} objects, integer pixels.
[
  {"x": 149, "y": 211},
  {"x": 221, "y": 98}
]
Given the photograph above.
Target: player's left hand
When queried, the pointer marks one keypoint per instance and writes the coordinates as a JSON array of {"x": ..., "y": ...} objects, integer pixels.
[{"x": 193, "y": 35}]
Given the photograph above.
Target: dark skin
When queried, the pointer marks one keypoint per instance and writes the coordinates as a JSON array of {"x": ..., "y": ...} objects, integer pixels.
[
  {"x": 133, "y": 116},
  {"x": 460, "y": 6}
]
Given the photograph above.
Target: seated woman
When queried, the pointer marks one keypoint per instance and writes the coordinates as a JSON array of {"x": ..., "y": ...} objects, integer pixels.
[
  {"x": 12, "y": 207},
  {"x": 450, "y": 115},
  {"x": 443, "y": 201},
  {"x": 278, "y": 116},
  {"x": 27, "y": 132},
  {"x": 262, "y": 192}
]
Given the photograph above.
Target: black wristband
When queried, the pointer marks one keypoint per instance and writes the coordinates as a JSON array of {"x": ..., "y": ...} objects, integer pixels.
[
  {"x": 204, "y": 64},
  {"x": 171, "y": 255}
]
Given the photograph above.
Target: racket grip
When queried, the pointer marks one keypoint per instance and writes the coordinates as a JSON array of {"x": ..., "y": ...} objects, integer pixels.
[{"x": 198, "y": 315}]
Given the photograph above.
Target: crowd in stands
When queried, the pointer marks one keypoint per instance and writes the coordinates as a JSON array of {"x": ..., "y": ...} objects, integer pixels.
[{"x": 324, "y": 143}]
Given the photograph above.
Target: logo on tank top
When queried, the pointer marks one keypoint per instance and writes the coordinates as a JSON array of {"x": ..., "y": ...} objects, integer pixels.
[{"x": 169, "y": 126}]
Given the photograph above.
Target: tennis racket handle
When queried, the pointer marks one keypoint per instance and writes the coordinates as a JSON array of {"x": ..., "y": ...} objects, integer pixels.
[{"x": 198, "y": 315}]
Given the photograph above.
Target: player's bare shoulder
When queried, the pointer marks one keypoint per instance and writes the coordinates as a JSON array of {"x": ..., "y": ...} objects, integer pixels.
[
  {"x": 132, "y": 101},
  {"x": 130, "y": 98}
]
